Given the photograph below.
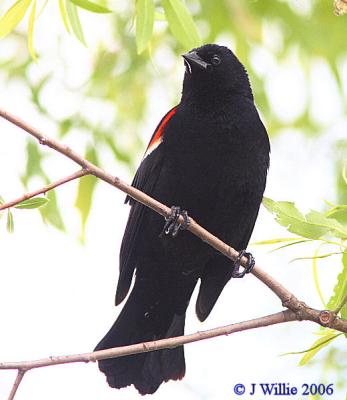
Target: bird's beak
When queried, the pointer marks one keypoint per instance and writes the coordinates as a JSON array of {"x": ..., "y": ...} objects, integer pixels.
[{"x": 192, "y": 58}]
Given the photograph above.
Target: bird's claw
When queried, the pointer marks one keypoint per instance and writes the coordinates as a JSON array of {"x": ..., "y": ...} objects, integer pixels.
[
  {"x": 237, "y": 263},
  {"x": 172, "y": 225}
]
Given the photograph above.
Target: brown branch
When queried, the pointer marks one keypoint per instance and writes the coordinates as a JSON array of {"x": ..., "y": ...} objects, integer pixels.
[
  {"x": 278, "y": 318},
  {"x": 19, "y": 377},
  {"x": 302, "y": 311},
  {"x": 45, "y": 189},
  {"x": 297, "y": 310}
]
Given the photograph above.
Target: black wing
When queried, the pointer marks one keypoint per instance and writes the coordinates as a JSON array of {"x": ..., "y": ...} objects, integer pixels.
[
  {"x": 241, "y": 219},
  {"x": 145, "y": 180}
]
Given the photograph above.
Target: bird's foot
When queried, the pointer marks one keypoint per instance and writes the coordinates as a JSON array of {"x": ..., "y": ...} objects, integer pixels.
[
  {"x": 172, "y": 224},
  {"x": 237, "y": 263}
]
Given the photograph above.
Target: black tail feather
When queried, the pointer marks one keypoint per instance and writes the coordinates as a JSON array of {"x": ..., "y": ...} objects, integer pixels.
[{"x": 146, "y": 371}]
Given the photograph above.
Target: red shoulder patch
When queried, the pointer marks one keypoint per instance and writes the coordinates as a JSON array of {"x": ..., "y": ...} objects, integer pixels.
[{"x": 157, "y": 137}]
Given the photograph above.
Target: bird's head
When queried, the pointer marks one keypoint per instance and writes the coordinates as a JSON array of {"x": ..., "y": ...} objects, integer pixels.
[{"x": 212, "y": 71}]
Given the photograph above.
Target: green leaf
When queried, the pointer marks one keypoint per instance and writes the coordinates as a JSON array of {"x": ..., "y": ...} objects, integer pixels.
[
  {"x": 315, "y": 275},
  {"x": 33, "y": 164},
  {"x": 144, "y": 23},
  {"x": 344, "y": 173},
  {"x": 35, "y": 202},
  {"x": 90, "y": 6},
  {"x": 2, "y": 201},
  {"x": 13, "y": 16},
  {"x": 278, "y": 240},
  {"x": 318, "y": 345},
  {"x": 74, "y": 20},
  {"x": 316, "y": 257},
  {"x": 312, "y": 226},
  {"x": 181, "y": 23},
  {"x": 31, "y": 31},
  {"x": 314, "y": 349},
  {"x": 64, "y": 15},
  {"x": 339, "y": 213},
  {"x": 50, "y": 213},
  {"x": 290, "y": 244},
  {"x": 340, "y": 289},
  {"x": 9, "y": 223},
  {"x": 85, "y": 191}
]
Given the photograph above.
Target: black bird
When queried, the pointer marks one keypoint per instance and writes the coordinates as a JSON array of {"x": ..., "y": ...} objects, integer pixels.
[{"x": 210, "y": 156}]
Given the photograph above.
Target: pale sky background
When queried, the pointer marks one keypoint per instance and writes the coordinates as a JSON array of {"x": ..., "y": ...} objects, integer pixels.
[{"x": 57, "y": 295}]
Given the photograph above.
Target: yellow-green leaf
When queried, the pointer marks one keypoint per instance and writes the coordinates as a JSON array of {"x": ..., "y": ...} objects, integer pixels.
[
  {"x": 13, "y": 16},
  {"x": 35, "y": 202},
  {"x": 50, "y": 213},
  {"x": 318, "y": 345},
  {"x": 90, "y": 6},
  {"x": 181, "y": 23},
  {"x": 74, "y": 20},
  {"x": 144, "y": 23},
  {"x": 313, "y": 225},
  {"x": 340, "y": 289},
  {"x": 31, "y": 31},
  {"x": 85, "y": 191},
  {"x": 64, "y": 15},
  {"x": 277, "y": 240},
  {"x": 9, "y": 224},
  {"x": 323, "y": 341}
]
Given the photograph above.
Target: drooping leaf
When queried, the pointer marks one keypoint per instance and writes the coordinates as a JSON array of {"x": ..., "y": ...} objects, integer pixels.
[
  {"x": 313, "y": 226},
  {"x": 9, "y": 223},
  {"x": 290, "y": 244},
  {"x": 64, "y": 15},
  {"x": 277, "y": 240},
  {"x": 13, "y": 16},
  {"x": 31, "y": 31},
  {"x": 316, "y": 257},
  {"x": 340, "y": 289},
  {"x": 315, "y": 275},
  {"x": 2, "y": 201},
  {"x": 33, "y": 164},
  {"x": 144, "y": 23},
  {"x": 35, "y": 202},
  {"x": 74, "y": 20},
  {"x": 85, "y": 191},
  {"x": 319, "y": 344},
  {"x": 181, "y": 23},
  {"x": 50, "y": 213},
  {"x": 90, "y": 6}
]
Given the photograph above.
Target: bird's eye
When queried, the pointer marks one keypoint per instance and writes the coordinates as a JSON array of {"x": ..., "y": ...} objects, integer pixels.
[{"x": 216, "y": 60}]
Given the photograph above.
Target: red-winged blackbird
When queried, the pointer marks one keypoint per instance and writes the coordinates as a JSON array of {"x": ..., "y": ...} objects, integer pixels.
[{"x": 210, "y": 156}]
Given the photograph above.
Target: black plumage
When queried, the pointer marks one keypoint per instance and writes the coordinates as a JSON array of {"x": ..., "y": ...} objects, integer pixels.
[{"x": 210, "y": 156}]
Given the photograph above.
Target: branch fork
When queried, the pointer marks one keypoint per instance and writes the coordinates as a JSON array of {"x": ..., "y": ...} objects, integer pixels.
[{"x": 296, "y": 310}]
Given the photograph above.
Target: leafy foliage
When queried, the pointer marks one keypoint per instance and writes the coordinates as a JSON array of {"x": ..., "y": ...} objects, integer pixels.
[
  {"x": 322, "y": 228},
  {"x": 122, "y": 79}
]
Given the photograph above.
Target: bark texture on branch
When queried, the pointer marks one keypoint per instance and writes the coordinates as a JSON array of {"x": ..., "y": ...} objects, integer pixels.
[{"x": 296, "y": 309}]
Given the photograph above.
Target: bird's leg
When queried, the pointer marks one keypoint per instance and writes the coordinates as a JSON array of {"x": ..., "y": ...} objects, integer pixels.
[
  {"x": 250, "y": 264},
  {"x": 172, "y": 225}
]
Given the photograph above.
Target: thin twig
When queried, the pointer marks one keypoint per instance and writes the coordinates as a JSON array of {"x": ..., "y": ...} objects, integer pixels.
[
  {"x": 302, "y": 311},
  {"x": 297, "y": 310},
  {"x": 19, "y": 377},
  {"x": 278, "y": 318},
  {"x": 45, "y": 189}
]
